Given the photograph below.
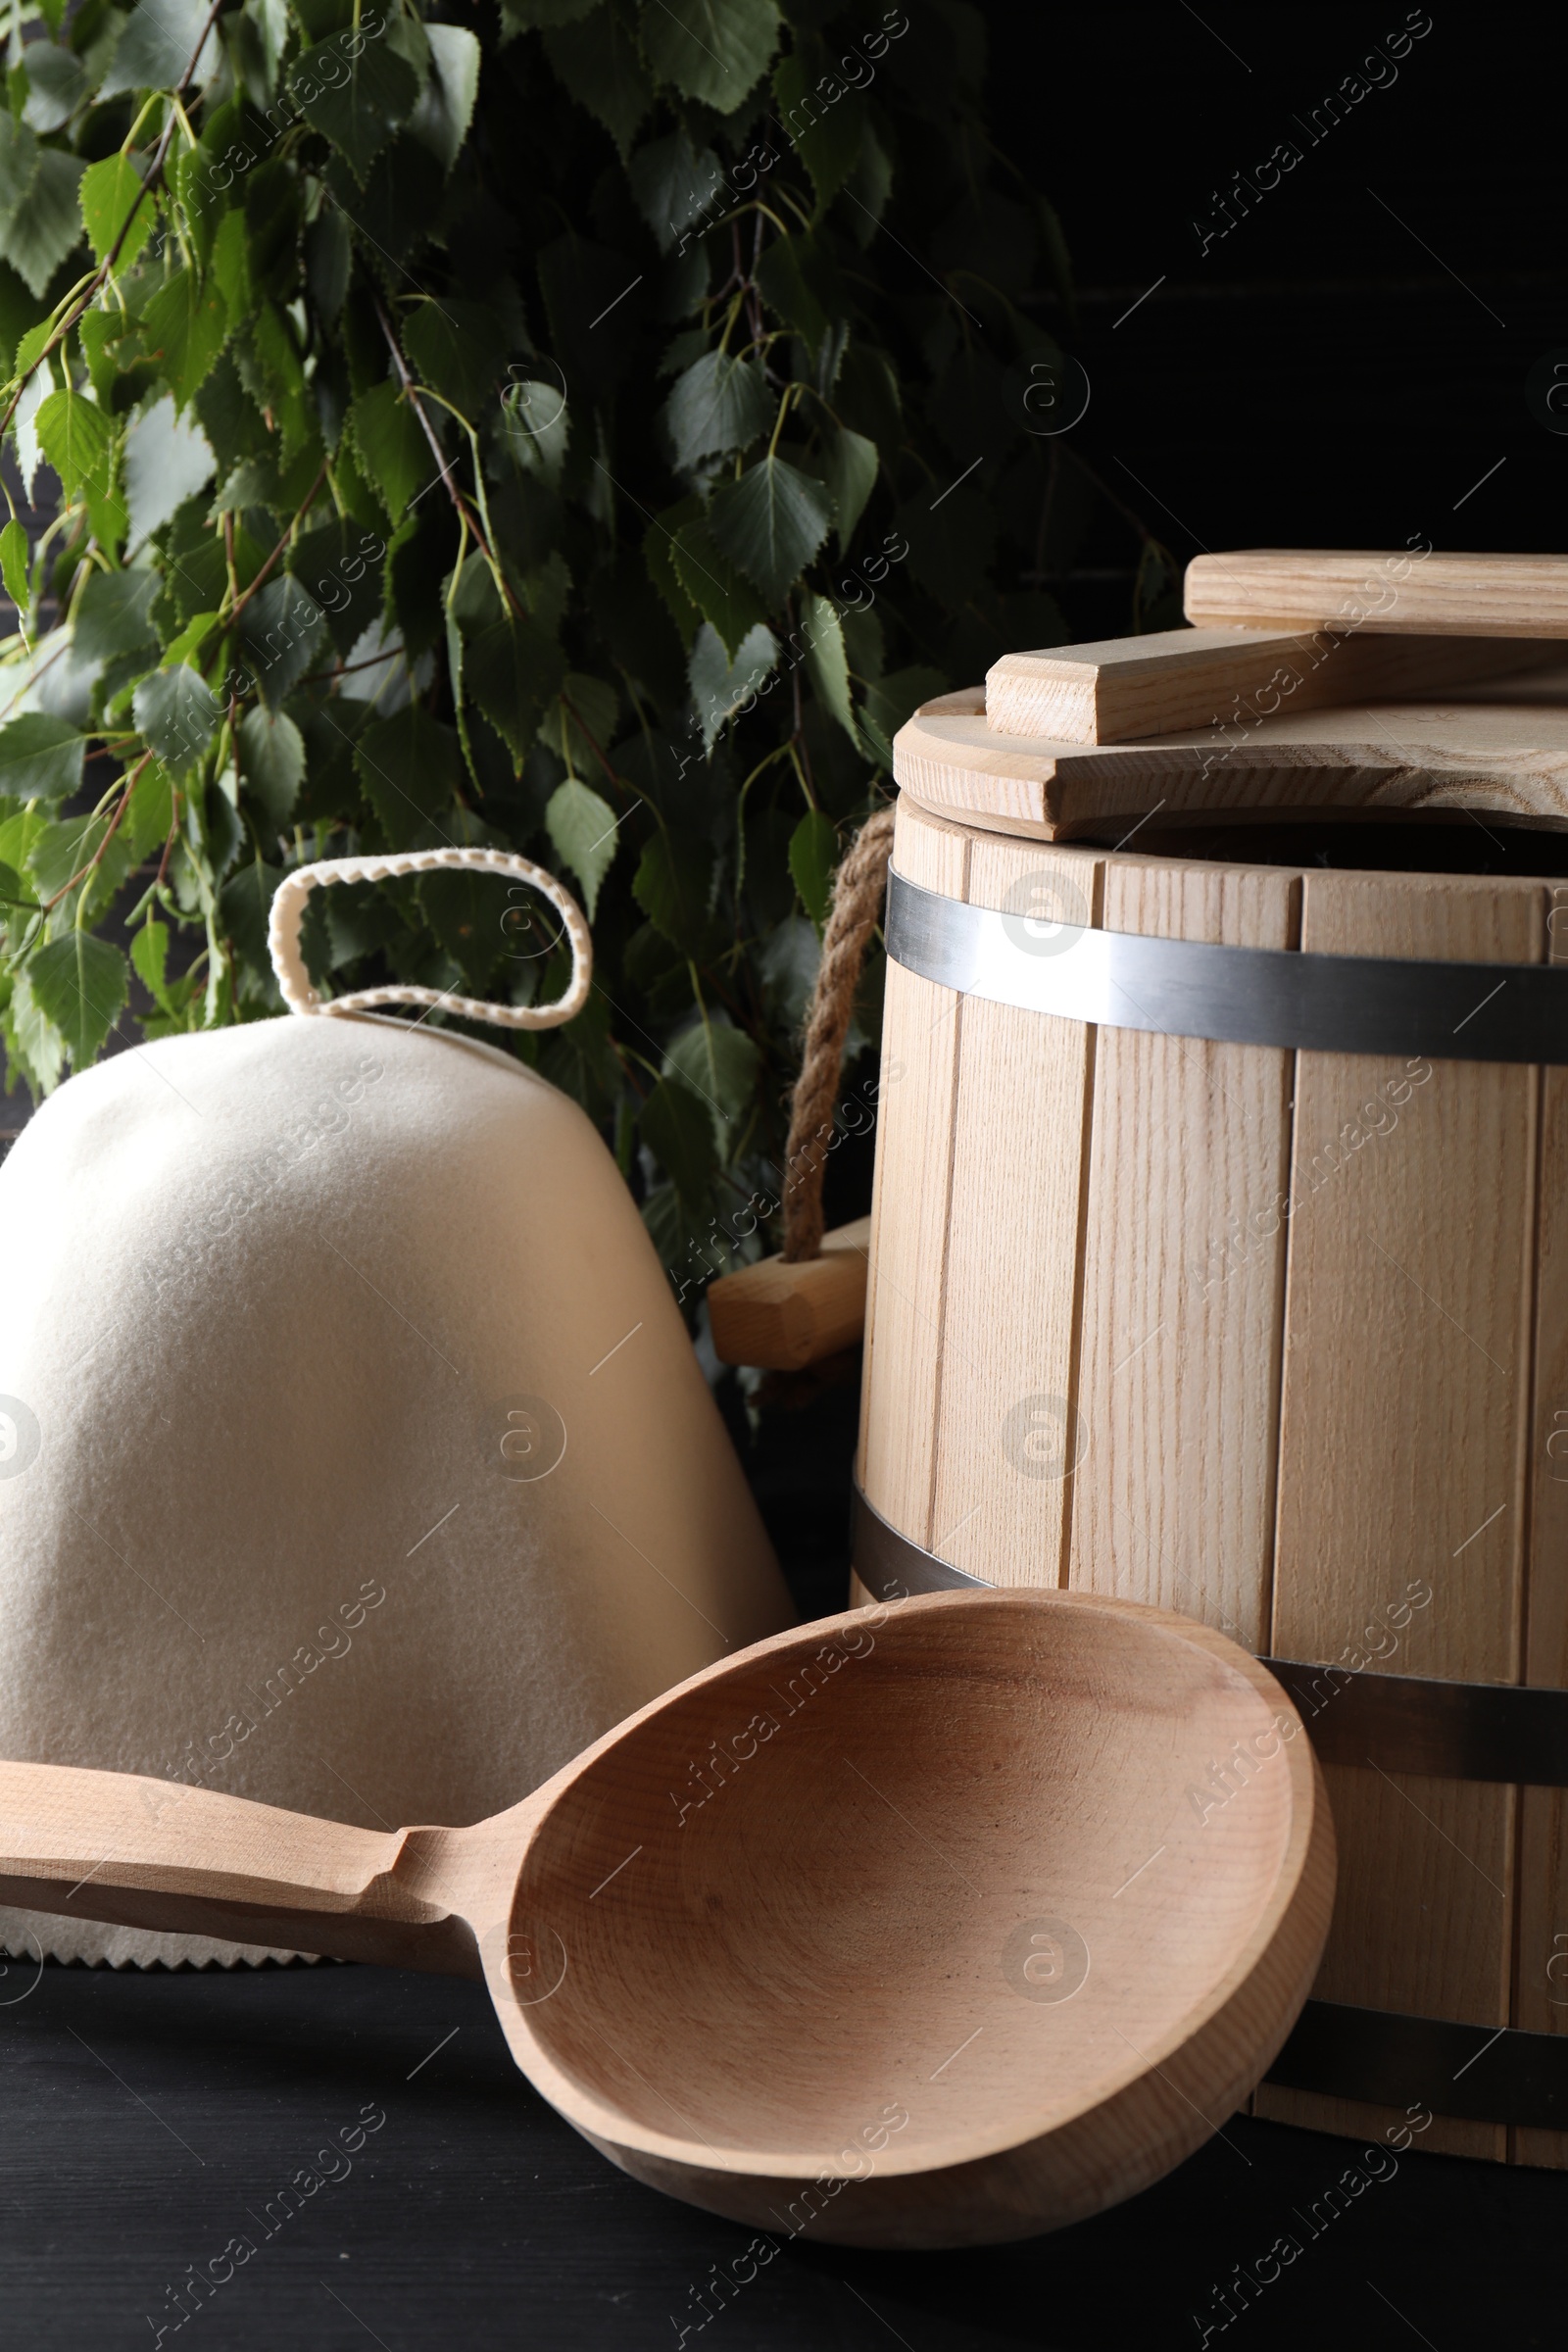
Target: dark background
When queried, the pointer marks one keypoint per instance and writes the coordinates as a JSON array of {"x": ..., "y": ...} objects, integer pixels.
[
  {"x": 1323, "y": 377},
  {"x": 1326, "y": 375}
]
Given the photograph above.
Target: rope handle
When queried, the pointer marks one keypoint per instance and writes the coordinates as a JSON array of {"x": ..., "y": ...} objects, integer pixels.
[
  {"x": 858, "y": 889},
  {"x": 288, "y": 910}
]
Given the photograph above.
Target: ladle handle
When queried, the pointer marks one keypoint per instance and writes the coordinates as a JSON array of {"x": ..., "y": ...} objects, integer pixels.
[{"x": 185, "y": 1860}]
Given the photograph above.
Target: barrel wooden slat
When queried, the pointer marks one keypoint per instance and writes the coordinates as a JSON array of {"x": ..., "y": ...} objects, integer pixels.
[
  {"x": 1541, "y": 2001},
  {"x": 1007, "y": 1407},
  {"x": 1184, "y": 1277},
  {"x": 920, "y": 1029},
  {"x": 1403, "y": 1421}
]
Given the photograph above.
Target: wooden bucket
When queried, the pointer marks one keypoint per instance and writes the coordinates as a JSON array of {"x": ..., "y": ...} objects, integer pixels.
[{"x": 1267, "y": 1332}]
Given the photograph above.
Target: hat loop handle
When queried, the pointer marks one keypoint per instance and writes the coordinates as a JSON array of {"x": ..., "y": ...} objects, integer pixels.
[{"x": 288, "y": 963}]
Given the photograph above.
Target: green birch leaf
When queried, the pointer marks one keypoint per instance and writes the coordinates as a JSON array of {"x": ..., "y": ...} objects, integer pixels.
[
  {"x": 114, "y": 614},
  {"x": 167, "y": 460},
  {"x": 262, "y": 481},
  {"x": 19, "y": 835},
  {"x": 458, "y": 348},
  {"x": 894, "y": 698},
  {"x": 60, "y": 854},
  {"x": 272, "y": 764},
  {"x": 197, "y": 196},
  {"x": 57, "y": 83},
  {"x": 80, "y": 984},
  {"x": 149, "y": 953},
  {"x": 721, "y": 687},
  {"x": 827, "y": 663},
  {"x": 20, "y": 152},
  {"x": 875, "y": 741},
  {"x": 417, "y": 556},
  {"x": 357, "y": 102},
  {"x": 80, "y": 852},
  {"x": 512, "y": 669},
  {"x": 40, "y": 758},
  {"x": 673, "y": 182},
  {"x": 279, "y": 631},
  {"x": 864, "y": 643},
  {"x": 328, "y": 262},
  {"x": 255, "y": 39},
  {"x": 659, "y": 544},
  {"x": 107, "y": 194},
  {"x": 191, "y": 638},
  {"x": 721, "y": 1064},
  {"x": 157, "y": 47},
  {"x": 825, "y": 124},
  {"x": 597, "y": 59},
  {"x": 771, "y": 523},
  {"x": 789, "y": 964},
  {"x": 410, "y": 769},
  {"x": 229, "y": 417},
  {"x": 813, "y": 855},
  {"x": 407, "y": 38},
  {"x": 151, "y": 813},
  {"x": 668, "y": 1228},
  {"x": 33, "y": 1045},
  {"x": 178, "y": 713},
  {"x": 582, "y": 828},
  {"x": 678, "y": 1130},
  {"x": 46, "y": 223},
  {"x": 672, "y": 886},
  {"x": 475, "y": 599},
  {"x": 538, "y": 427},
  {"x": 718, "y": 406},
  {"x": 271, "y": 367},
  {"x": 786, "y": 275},
  {"x": 464, "y": 910},
  {"x": 728, "y": 602},
  {"x": 184, "y": 328},
  {"x": 715, "y": 51},
  {"x": 270, "y": 364},
  {"x": 229, "y": 265},
  {"x": 14, "y": 566},
  {"x": 97, "y": 330},
  {"x": 394, "y": 454},
  {"x": 221, "y": 834},
  {"x": 851, "y": 474},
  {"x": 583, "y": 717},
  {"x": 274, "y": 201},
  {"x": 244, "y": 903},
  {"x": 339, "y": 564},
  {"x": 440, "y": 120},
  {"x": 78, "y": 439}
]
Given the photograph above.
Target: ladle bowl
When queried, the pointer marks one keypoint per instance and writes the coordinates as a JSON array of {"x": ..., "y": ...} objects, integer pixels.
[{"x": 934, "y": 1925}]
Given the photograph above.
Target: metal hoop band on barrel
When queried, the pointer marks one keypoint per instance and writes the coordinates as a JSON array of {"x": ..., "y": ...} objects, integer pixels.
[
  {"x": 1392, "y": 1723},
  {"x": 1047, "y": 959},
  {"x": 1510, "y": 1731}
]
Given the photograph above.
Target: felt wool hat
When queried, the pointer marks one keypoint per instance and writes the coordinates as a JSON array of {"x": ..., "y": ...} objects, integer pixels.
[{"x": 353, "y": 1455}]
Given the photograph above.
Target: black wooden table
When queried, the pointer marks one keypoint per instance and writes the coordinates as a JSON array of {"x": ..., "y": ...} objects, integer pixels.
[
  {"x": 160, "y": 2125},
  {"x": 364, "y": 2135}
]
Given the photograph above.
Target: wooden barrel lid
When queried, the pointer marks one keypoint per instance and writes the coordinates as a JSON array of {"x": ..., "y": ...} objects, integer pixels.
[{"x": 1497, "y": 745}]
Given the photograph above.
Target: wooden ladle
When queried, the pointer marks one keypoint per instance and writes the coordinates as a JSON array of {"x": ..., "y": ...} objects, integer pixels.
[{"x": 926, "y": 1926}]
